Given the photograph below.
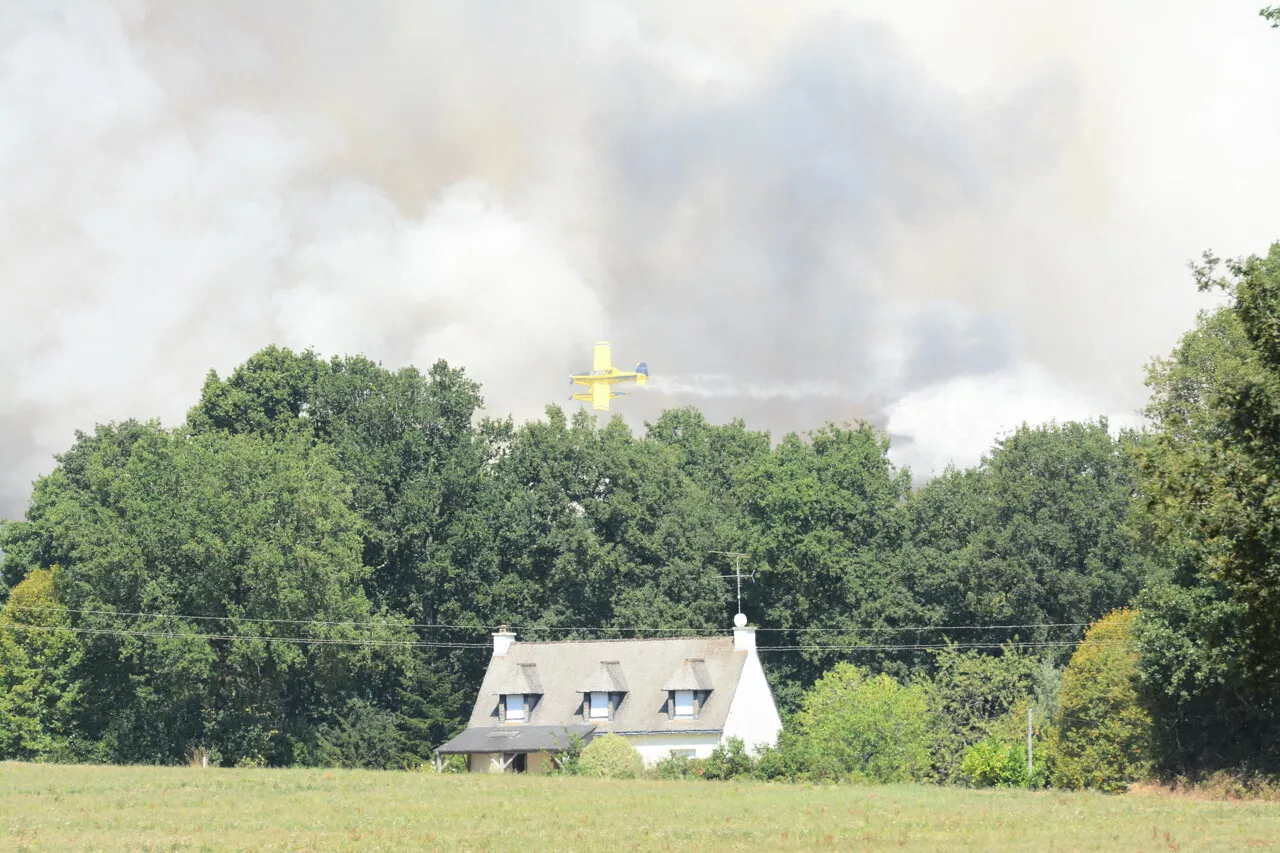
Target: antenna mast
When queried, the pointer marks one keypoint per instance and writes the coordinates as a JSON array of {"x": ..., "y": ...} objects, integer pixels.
[{"x": 737, "y": 572}]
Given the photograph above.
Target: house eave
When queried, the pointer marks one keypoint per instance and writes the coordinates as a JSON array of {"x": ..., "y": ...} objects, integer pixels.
[{"x": 642, "y": 732}]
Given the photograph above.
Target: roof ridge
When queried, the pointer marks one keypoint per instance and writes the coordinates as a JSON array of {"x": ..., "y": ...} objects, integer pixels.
[{"x": 518, "y": 641}]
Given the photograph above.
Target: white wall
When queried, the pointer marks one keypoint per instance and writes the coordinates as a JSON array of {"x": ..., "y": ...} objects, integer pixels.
[
  {"x": 654, "y": 748},
  {"x": 753, "y": 716}
]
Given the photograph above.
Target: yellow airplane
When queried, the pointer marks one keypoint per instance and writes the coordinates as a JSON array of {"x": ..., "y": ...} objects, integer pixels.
[{"x": 604, "y": 376}]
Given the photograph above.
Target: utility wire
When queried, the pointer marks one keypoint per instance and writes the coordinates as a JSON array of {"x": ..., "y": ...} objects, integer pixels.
[
  {"x": 921, "y": 647},
  {"x": 322, "y": 641},
  {"x": 253, "y": 620},
  {"x": 314, "y": 641},
  {"x": 473, "y": 627},
  {"x": 938, "y": 627}
]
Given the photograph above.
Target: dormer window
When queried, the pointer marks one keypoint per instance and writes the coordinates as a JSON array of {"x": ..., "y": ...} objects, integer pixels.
[
  {"x": 519, "y": 689},
  {"x": 688, "y": 690},
  {"x": 603, "y": 692}
]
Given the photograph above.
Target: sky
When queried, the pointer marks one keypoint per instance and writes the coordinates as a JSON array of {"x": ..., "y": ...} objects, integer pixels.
[{"x": 945, "y": 218}]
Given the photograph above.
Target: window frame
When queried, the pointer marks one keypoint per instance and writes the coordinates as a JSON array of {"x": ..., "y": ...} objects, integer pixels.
[
  {"x": 524, "y": 707},
  {"x": 591, "y": 705},
  {"x": 692, "y": 706}
]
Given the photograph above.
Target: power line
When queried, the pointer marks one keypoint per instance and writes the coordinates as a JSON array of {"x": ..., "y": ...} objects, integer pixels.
[
  {"x": 366, "y": 623},
  {"x": 535, "y": 628},
  {"x": 922, "y": 647},
  {"x": 252, "y": 620},
  {"x": 937, "y": 627},
  {"x": 324, "y": 641},
  {"x": 313, "y": 641}
]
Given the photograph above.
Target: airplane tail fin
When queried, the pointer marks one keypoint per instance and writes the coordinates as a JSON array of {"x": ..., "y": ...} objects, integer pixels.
[{"x": 643, "y": 370}]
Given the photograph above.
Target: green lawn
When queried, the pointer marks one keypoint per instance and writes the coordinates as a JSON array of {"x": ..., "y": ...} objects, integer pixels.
[{"x": 44, "y": 807}]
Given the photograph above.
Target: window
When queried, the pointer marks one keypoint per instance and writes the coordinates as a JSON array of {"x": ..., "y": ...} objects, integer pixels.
[
  {"x": 515, "y": 707},
  {"x": 685, "y": 753},
  {"x": 599, "y": 706},
  {"x": 684, "y": 703}
]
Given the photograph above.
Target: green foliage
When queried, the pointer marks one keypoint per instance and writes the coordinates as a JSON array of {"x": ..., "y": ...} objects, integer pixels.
[
  {"x": 854, "y": 725},
  {"x": 969, "y": 693},
  {"x": 1035, "y": 534},
  {"x": 1272, "y": 14},
  {"x": 1209, "y": 633},
  {"x": 1102, "y": 736},
  {"x": 39, "y": 691},
  {"x": 676, "y": 766},
  {"x": 232, "y": 528},
  {"x": 729, "y": 760},
  {"x": 452, "y": 764},
  {"x": 611, "y": 757},
  {"x": 267, "y": 395},
  {"x": 568, "y": 759},
  {"x": 824, "y": 518},
  {"x": 1213, "y": 465},
  {"x": 993, "y": 763},
  {"x": 363, "y": 735}
]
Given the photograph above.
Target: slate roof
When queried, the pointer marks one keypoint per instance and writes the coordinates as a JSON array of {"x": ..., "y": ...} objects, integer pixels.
[
  {"x": 692, "y": 675},
  {"x": 645, "y": 669},
  {"x": 516, "y": 739},
  {"x": 513, "y": 677},
  {"x": 607, "y": 679}
]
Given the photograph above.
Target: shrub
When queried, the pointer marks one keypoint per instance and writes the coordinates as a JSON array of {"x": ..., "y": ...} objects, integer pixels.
[
  {"x": 1012, "y": 729},
  {"x": 568, "y": 761},
  {"x": 675, "y": 766},
  {"x": 611, "y": 757},
  {"x": 993, "y": 763},
  {"x": 451, "y": 763},
  {"x": 1102, "y": 736},
  {"x": 728, "y": 760},
  {"x": 854, "y": 725}
]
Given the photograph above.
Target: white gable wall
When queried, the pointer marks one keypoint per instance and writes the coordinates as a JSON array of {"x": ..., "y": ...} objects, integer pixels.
[{"x": 753, "y": 716}]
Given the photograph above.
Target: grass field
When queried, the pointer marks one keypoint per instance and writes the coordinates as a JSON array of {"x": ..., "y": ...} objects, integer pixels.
[{"x": 46, "y": 807}]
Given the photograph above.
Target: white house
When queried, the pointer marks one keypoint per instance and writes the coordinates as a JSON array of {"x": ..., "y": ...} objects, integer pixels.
[{"x": 685, "y": 694}]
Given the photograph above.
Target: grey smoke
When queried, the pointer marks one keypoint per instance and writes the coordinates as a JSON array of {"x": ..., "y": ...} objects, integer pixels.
[
  {"x": 810, "y": 202},
  {"x": 705, "y": 386}
]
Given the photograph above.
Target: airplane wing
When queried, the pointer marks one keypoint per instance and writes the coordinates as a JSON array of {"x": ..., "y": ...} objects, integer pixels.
[
  {"x": 600, "y": 395},
  {"x": 602, "y": 357}
]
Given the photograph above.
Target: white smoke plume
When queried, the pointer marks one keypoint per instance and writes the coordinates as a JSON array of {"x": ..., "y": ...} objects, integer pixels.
[
  {"x": 706, "y": 386},
  {"x": 874, "y": 203}
]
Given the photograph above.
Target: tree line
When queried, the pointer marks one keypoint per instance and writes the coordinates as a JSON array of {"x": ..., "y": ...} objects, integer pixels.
[{"x": 306, "y": 570}]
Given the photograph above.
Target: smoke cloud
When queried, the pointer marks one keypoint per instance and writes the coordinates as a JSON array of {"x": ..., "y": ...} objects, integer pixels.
[{"x": 944, "y": 219}]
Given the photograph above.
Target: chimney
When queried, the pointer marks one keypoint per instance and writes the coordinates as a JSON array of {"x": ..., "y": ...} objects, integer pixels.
[
  {"x": 744, "y": 638},
  {"x": 502, "y": 641}
]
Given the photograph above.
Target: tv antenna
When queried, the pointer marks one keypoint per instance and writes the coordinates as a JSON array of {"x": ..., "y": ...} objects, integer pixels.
[{"x": 737, "y": 571}]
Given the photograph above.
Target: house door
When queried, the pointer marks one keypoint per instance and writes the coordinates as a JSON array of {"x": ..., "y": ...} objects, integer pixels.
[{"x": 521, "y": 763}]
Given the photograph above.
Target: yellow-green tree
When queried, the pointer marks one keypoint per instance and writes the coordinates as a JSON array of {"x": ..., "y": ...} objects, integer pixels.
[
  {"x": 855, "y": 725},
  {"x": 38, "y": 692},
  {"x": 1102, "y": 736}
]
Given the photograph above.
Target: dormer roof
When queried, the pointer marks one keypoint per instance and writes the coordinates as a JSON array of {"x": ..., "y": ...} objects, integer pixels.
[
  {"x": 608, "y": 678},
  {"x": 692, "y": 674},
  {"x": 515, "y": 677}
]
